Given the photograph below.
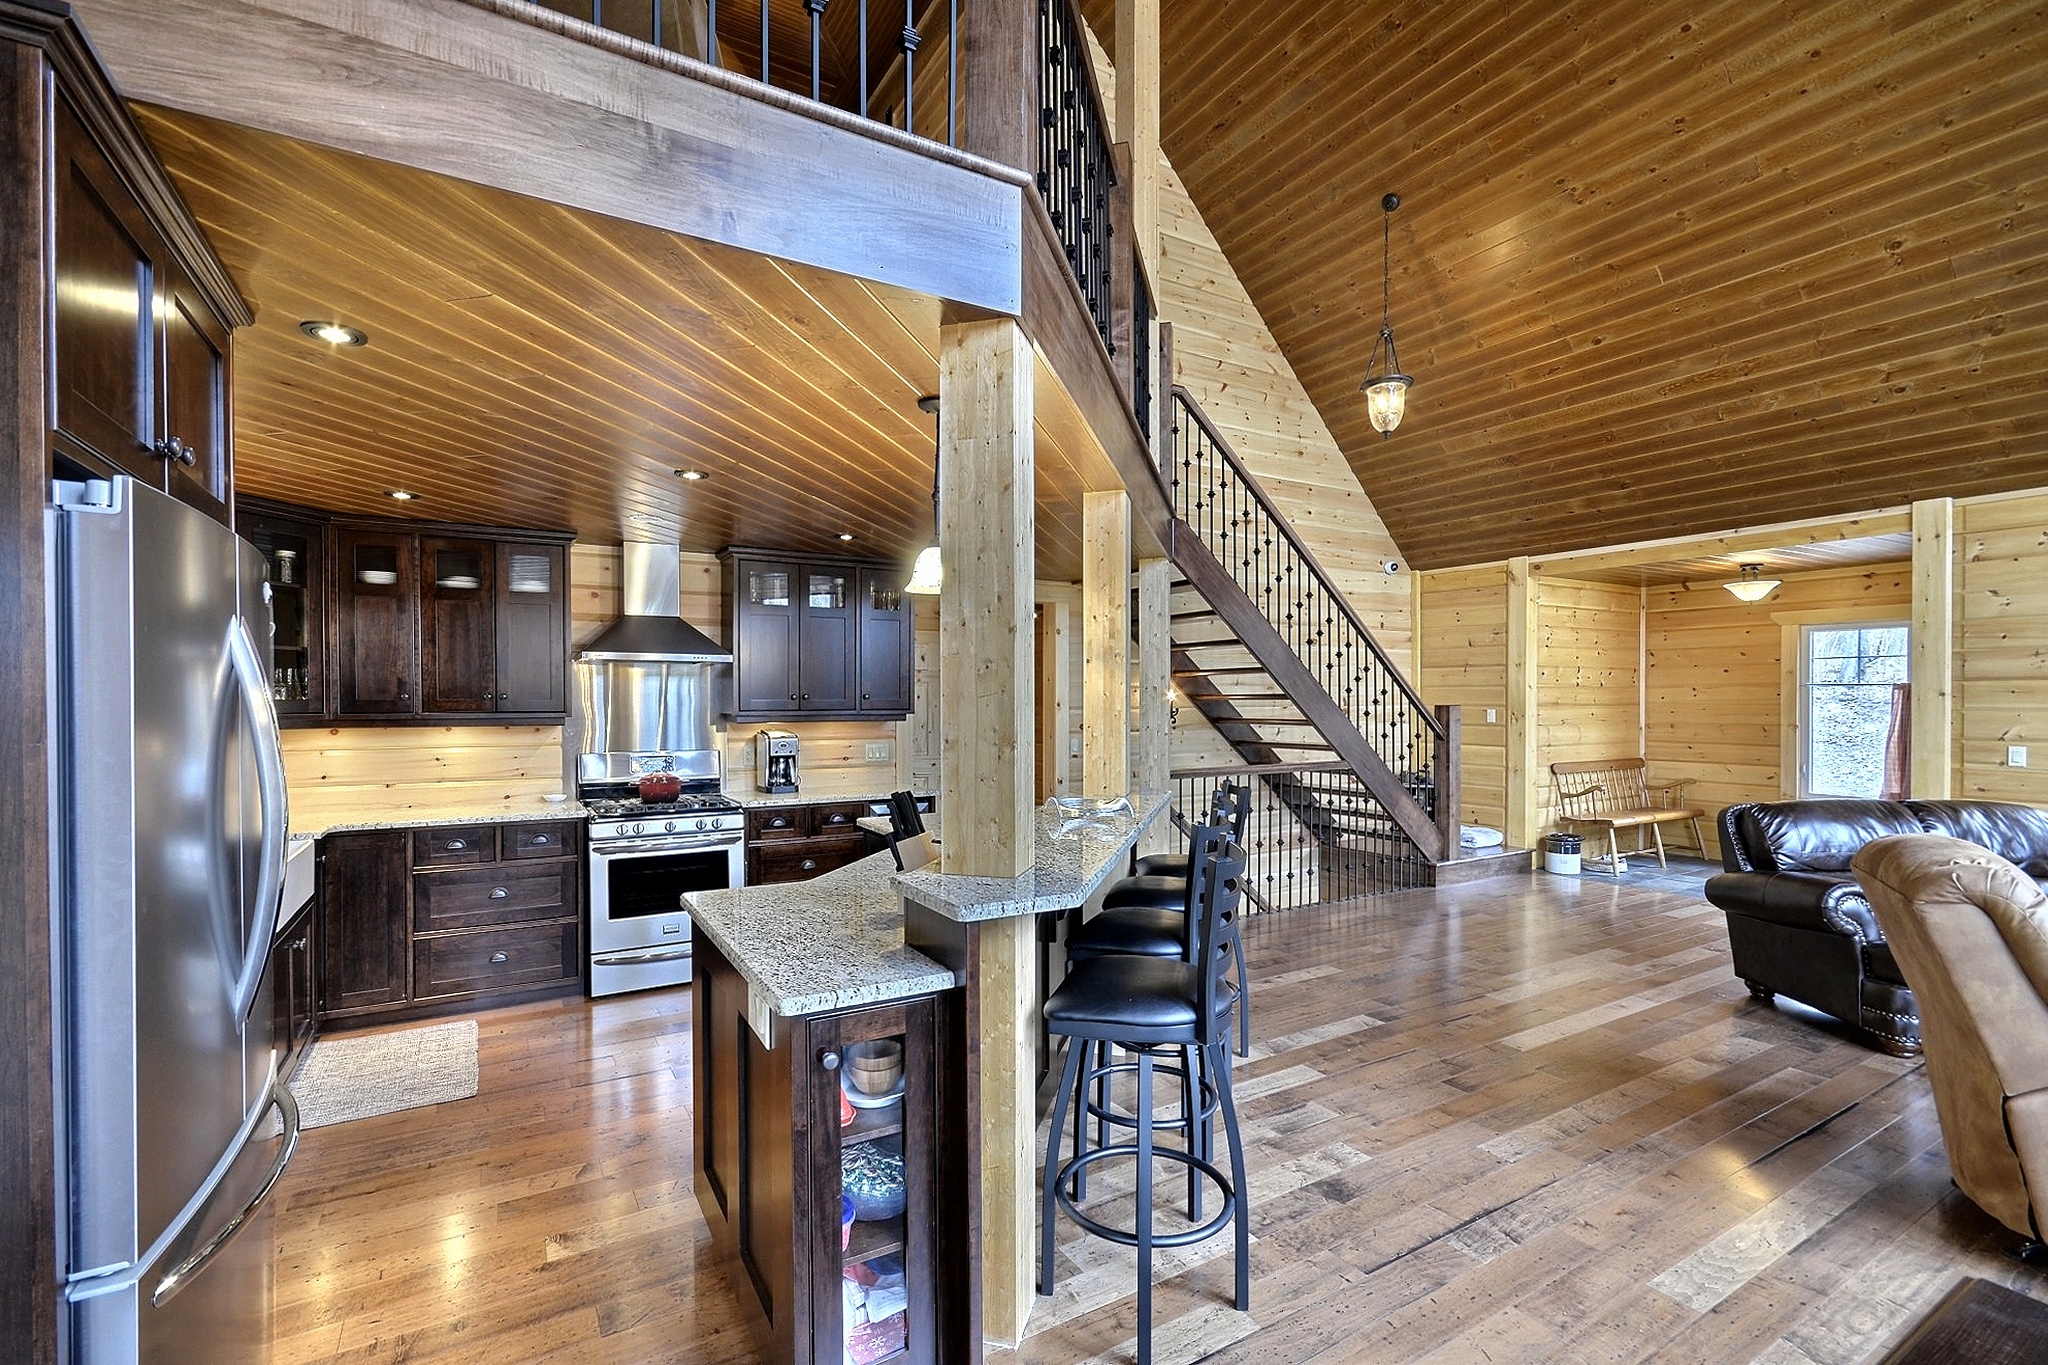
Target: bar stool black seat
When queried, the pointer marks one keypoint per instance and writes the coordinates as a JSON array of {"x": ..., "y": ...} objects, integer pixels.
[{"x": 1153, "y": 1006}]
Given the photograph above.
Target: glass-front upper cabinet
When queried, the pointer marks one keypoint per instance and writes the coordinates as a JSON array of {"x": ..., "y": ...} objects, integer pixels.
[{"x": 294, "y": 551}]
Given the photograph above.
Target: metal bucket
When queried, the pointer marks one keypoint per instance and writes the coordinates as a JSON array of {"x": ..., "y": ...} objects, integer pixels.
[{"x": 1561, "y": 854}]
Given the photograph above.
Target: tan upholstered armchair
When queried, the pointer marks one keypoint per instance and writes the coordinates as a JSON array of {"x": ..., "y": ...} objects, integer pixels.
[{"x": 1970, "y": 932}]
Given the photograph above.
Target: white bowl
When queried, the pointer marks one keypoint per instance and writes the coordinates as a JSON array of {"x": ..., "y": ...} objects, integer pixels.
[
  {"x": 383, "y": 578},
  {"x": 458, "y": 581}
]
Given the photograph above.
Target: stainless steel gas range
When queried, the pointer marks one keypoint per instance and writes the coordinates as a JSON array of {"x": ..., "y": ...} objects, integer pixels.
[{"x": 644, "y": 856}]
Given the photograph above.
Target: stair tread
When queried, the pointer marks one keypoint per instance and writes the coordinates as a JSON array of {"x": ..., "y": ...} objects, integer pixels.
[{"x": 1217, "y": 671}]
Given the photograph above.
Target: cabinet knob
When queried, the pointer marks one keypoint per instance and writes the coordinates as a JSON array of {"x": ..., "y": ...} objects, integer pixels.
[
  {"x": 807, "y": 696},
  {"x": 863, "y": 696},
  {"x": 499, "y": 957},
  {"x": 499, "y": 893},
  {"x": 405, "y": 696},
  {"x": 501, "y": 696},
  {"x": 829, "y": 1060},
  {"x": 457, "y": 845},
  {"x": 297, "y": 945},
  {"x": 792, "y": 696},
  {"x": 171, "y": 448}
]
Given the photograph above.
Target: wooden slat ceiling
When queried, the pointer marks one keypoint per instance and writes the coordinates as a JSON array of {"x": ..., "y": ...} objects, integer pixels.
[
  {"x": 1859, "y": 552},
  {"x": 1660, "y": 268},
  {"x": 532, "y": 365}
]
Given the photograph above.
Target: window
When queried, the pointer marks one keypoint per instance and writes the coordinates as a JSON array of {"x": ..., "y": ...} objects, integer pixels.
[{"x": 1848, "y": 676}]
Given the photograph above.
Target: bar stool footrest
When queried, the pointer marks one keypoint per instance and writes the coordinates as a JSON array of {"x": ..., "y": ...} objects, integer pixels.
[{"x": 1129, "y": 1237}]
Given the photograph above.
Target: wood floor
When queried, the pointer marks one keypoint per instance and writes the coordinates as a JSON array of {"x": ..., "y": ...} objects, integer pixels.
[{"x": 1536, "y": 1120}]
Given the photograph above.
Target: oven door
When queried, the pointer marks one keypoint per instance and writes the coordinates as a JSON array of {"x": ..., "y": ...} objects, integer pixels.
[{"x": 639, "y": 935}]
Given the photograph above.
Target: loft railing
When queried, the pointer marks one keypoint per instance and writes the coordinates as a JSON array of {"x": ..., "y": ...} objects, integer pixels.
[
  {"x": 1141, "y": 347},
  {"x": 858, "y": 55},
  {"x": 1314, "y": 833},
  {"x": 1230, "y": 513},
  {"x": 1076, "y": 176}
]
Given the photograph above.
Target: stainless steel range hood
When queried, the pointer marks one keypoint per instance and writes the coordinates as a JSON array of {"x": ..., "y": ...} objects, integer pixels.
[{"x": 652, "y": 631}]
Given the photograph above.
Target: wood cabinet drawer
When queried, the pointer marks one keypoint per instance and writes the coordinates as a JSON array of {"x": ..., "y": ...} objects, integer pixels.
[
  {"x": 777, "y": 822},
  {"x": 837, "y": 820},
  {"x": 454, "y": 845},
  {"x": 494, "y": 960},
  {"x": 802, "y": 860},
  {"x": 543, "y": 839},
  {"x": 492, "y": 895}
]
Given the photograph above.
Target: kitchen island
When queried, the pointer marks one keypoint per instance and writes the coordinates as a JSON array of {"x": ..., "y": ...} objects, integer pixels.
[{"x": 790, "y": 979}]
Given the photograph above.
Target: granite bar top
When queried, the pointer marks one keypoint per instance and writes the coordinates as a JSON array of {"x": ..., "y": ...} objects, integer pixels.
[
  {"x": 1071, "y": 859},
  {"x": 315, "y": 823},
  {"x": 833, "y": 942}
]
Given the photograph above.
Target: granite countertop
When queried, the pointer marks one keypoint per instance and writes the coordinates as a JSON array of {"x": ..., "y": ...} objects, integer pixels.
[
  {"x": 317, "y": 824},
  {"x": 830, "y": 943},
  {"x": 750, "y": 798},
  {"x": 1071, "y": 860}
]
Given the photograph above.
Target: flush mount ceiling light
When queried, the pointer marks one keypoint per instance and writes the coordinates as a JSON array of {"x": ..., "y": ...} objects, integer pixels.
[
  {"x": 846, "y": 535},
  {"x": 399, "y": 495},
  {"x": 1753, "y": 586},
  {"x": 1385, "y": 387},
  {"x": 333, "y": 333},
  {"x": 928, "y": 573},
  {"x": 692, "y": 475}
]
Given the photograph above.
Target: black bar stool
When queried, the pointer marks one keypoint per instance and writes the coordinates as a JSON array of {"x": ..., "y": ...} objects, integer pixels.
[
  {"x": 1150, "y": 1006},
  {"x": 1144, "y": 915}
]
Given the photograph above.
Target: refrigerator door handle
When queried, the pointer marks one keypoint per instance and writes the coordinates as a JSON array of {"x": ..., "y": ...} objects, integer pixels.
[
  {"x": 189, "y": 1269},
  {"x": 252, "y": 687}
]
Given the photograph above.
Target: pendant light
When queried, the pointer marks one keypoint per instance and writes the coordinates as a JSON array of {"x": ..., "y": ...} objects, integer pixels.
[
  {"x": 1753, "y": 586},
  {"x": 1385, "y": 387},
  {"x": 927, "y": 574}
]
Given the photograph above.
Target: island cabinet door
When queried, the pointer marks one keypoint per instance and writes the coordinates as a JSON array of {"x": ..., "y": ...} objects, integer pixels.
[{"x": 873, "y": 1287}]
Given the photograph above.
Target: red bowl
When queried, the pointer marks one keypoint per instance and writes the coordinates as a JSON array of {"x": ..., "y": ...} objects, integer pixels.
[{"x": 660, "y": 787}]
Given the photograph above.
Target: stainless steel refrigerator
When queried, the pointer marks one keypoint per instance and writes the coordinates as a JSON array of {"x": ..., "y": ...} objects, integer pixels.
[{"x": 169, "y": 868}]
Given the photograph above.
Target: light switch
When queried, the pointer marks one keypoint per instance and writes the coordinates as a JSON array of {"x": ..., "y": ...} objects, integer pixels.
[
  {"x": 878, "y": 751},
  {"x": 2015, "y": 755},
  {"x": 1491, "y": 715}
]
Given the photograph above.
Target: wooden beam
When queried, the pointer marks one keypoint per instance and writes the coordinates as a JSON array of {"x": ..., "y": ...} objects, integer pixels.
[
  {"x": 28, "y": 1197},
  {"x": 1055, "y": 633},
  {"x": 1154, "y": 760},
  {"x": 1105, "y": 644},
  {"x": 1932, "y": 667},
  {"x": 1000, "y": 53},
  {"x": 1137, "y": 119},
  {"x": 1777, "y": 536},
  {"x": 986, "y": 465},
  {"x": 603, "y": 123},
  {"x": 1523, "y": 773}
]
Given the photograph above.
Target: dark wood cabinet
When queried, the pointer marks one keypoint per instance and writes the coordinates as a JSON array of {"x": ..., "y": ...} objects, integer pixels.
[
  {"x": 142, "y": 353},
  {"x": 771, "y": 1160},
  {"x": 364, "y": 896},
  {"x": 376, "y": 615},
  {"x": 296, "y": 1007},
  {"x": 297, "y": 554},
  {"x": 817, "y": 638},
  {"x": 796, "y": 843},
  {"x": 412, "y": 921},
  {"x": 386, "y": 622},
  {"x": 458, "y": 625}
]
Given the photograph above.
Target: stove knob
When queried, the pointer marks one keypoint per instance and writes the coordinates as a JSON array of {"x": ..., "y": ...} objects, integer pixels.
[
  {"x": 635, "y": 828},
  {"x": 669, "y": 828},
  {"x": 703, "y": 824}
]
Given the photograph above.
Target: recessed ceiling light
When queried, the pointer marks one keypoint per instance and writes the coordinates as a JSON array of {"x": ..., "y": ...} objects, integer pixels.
[
  {"x": 846, "y": 535},
  {"x": 693, "y": 475},
  {"x": 399, "y": 494},
  {"x": 333, "y": 333},
  {"x": 638, "y": 518}
]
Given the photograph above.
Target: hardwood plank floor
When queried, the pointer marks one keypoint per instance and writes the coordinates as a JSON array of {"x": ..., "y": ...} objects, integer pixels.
[{"x": 1532, "y": 1120}]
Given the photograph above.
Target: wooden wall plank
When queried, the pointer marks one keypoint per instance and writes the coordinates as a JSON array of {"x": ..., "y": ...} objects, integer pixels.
[
  {"x": 2001, "y": 659},
  {"x": 1933, "y": 644}
]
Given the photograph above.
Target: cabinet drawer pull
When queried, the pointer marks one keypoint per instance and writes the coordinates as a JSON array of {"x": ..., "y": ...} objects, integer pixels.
[
  {"x": 499, "y": 893},
  {"x": 778, "y": 823},
  {"x": 540, "y": 838},
  {"x": 839, "y": 819},
  {"x": 457, "y": 845},
  {"x": 808, "y": 865},
  {"x": 500, "y": 957}
]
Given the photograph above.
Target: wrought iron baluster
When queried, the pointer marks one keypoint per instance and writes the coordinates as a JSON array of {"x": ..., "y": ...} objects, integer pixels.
[
  {"x": 764, "y": 43},
  {"x": 910, "y": 41},
  {"x": 711, "y": 31},
  {"x": 817, "y": 11}
]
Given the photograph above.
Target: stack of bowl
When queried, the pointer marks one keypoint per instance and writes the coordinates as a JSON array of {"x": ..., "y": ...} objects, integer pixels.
[{"x": 875, "y": 1066}]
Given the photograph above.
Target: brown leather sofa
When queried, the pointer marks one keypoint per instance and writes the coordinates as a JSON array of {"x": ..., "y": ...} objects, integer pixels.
[
  {"x": 1971, "y": 931},
  {"x": 1799, "y": 924}
]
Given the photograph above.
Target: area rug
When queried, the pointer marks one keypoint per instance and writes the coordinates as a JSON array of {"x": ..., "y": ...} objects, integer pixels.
[
  {"x": 355, "y": 1076},
  {"x": 1978, "y": 1323}
]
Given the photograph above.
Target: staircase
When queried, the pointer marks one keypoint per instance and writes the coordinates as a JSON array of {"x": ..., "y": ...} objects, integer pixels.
[{"x": 1360, "y": 775}]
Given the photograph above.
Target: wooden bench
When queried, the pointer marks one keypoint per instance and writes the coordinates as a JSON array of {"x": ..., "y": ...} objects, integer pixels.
[{"x": 1614, "y": 794}]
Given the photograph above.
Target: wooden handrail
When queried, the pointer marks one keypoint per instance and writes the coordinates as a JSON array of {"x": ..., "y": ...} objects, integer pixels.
[{"x": 1286, "y": 529}]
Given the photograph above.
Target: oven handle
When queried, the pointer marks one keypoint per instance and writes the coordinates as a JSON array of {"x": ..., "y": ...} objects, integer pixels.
[
  {"x": 635, "y": 959},
  {"x": 603, "y": 852}
]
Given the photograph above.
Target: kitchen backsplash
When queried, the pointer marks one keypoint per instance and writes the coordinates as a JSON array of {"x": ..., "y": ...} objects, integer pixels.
[{"x": 336, "y": 775}]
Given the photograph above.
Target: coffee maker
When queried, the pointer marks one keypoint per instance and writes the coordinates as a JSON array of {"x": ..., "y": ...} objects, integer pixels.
[{"x": 775, "y": 761}]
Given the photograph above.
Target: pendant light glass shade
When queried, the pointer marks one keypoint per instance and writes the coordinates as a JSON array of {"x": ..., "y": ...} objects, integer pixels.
[
  {"x": 1385, "y": 387},
  {"x": 928, "y": 573},
  {"x": 1753, "y": 586}
]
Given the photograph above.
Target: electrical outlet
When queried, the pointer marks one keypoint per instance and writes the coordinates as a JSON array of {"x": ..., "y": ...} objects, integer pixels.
[
  {"x": 1491, "y": 715},
  {"x": 1074, "y": 747},
  {"x": 2015, "y": 755},
  {"x": 878, "y": 751}
]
